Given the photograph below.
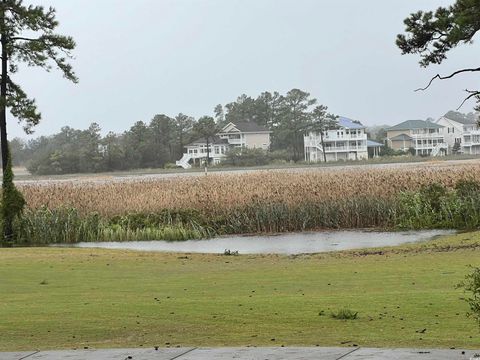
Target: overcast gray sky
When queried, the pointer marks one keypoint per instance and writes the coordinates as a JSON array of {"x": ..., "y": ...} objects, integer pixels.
[{"x": 139, "y": 58}]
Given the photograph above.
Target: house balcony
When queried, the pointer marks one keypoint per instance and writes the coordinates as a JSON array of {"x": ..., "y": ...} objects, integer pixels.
[
  {"x": 332, "y": 138},
  {"x": 471, "y": 132},
  {"x": 236, "y": 141},
  {"x": 471, "y": 139},
  {"x": 471, "y": 143},
  {"x": 330, "y": 145},
  {"x": 345, "y": 149},
  {"x": 334, "y": 149},
  {"x": 202, "y": 155},
  {"x": 429, "y": 146},
  {"x": 435, "y": 136}
]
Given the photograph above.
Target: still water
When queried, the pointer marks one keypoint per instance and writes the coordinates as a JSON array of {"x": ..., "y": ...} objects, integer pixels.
[{"x": 291, "y": 243}]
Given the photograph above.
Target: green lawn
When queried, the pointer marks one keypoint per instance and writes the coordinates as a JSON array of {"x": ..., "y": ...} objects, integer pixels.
[{"x": 71, "y": 298}]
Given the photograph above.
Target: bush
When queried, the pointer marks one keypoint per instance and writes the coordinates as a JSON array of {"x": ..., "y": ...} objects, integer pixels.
[
  {"x": 471, "y": 286},
  {"x": 434, "y": 206},
  {"x": 433, "y": 195},
  {"x": 467, "y": 188},
  {"x": 170, "y": 166},
  {"x": 388, "y": 151},
  {"x": 11, "y": 206},
  {"x": 280, "y": 156},
  {"x": 345, "y": 314},
  {"x": 246, "y": 157}
]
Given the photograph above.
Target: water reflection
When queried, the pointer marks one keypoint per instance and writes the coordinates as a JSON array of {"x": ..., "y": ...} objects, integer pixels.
[{"x": 293, "y": 243}]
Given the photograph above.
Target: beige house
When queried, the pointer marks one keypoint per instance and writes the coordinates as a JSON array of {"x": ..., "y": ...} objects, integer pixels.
[
  {"x": 246, "y": 134},
  {"x": 233, "y": 135},
  {"x": 425, "y": 137}
]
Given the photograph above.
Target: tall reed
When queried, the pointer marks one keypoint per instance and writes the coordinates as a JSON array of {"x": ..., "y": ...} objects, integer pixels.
[
  {"x": 67, "y": 225},
  {"x": 262, "y": 202}
]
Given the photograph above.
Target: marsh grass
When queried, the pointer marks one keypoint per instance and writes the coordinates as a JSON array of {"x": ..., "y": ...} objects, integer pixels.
[
  {"x": 435, "y": 206},
  {"x": 184, "y": 209},
  {"x": 218, "y": 195},
  {"x": 66, "y": 226}
]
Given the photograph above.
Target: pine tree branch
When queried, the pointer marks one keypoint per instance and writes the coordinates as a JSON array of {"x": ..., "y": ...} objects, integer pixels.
[
  {"x": 24, "y": 38},
  {"x": 438, "y": 76},
  {"x": 473, "y": 93}
]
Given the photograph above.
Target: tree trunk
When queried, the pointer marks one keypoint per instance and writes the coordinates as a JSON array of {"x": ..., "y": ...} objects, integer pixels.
[
  {"x": 181, "y": 143},
  {"x": 323, "y": 147},
  {"x": 295, "y": 146},
  {"x": 8, "y": 221},
  {"x": 3, "y": 96},
  {"x": 208, "y": 156}
]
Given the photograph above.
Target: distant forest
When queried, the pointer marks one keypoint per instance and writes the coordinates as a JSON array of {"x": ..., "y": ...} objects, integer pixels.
[{"x": 160, "y": 142}]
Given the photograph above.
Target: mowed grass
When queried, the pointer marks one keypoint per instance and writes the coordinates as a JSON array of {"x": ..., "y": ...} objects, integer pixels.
[{"x": 54, "y": 298}]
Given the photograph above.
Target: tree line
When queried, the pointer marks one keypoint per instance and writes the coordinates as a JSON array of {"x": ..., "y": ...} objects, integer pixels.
[{"x": 160, "y": 142}]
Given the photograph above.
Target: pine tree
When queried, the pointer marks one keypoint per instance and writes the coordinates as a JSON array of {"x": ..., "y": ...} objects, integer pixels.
[
  {"x": 26, "y": 36},
  {"x": 432, "y": 34}
]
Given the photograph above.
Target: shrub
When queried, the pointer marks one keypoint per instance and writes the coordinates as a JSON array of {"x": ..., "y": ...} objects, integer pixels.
[
  {"x": 467, "y": 188},
  {"x": 471, "y": 286},
  {"x": 170, "y": 166},
  {"x": 11, "y": 206},
  {"x": 433, "y": 195},
  {"x": 344, "y": 314},
  {"x": 434, "y": 206},
  {"x": 246, "y": 157}
]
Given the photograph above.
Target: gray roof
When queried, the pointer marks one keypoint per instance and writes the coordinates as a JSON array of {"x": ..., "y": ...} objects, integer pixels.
[
  {"x": 415, "y": 124},
  {"x": 460, "y": 118},
  {"x": 371, "y": 143},
  {"x": 401, "y": 137},
  {"x": 249, "y": 126}
]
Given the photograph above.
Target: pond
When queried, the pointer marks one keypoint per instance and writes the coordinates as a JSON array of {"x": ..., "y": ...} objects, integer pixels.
[{"x": 290, "y": 244}]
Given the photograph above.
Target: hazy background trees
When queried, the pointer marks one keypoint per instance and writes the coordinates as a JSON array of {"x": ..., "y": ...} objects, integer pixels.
[{"x": 161, "y": 141}]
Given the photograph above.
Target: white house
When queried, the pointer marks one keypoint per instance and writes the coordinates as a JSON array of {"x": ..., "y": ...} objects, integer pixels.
[
  {"x": 240, "y": 134},
  {"x": 425, "y": 137},
  {"x": 348, "y": 141},
  {"x": 463, "y": 130}
]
